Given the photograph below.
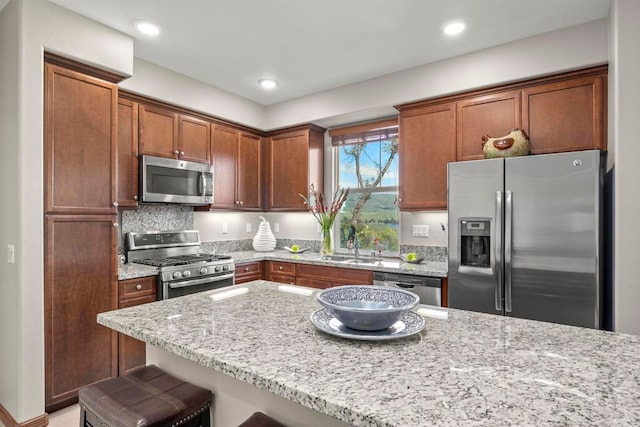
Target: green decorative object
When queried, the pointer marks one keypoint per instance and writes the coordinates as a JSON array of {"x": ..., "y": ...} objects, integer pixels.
[{"x": 326, "y": 215}]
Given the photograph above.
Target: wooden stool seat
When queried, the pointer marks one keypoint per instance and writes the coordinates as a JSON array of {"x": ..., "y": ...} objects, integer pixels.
[
  {"x": 145, "y": 398},
  {"x": 258, "y": 419}
]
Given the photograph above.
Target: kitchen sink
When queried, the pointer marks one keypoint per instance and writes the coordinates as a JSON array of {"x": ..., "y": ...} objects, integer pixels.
[{"x": 350, "y": 259}]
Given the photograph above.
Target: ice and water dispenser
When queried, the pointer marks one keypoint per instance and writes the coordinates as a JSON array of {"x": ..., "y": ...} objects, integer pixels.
[{"x": 475, "y": 242}]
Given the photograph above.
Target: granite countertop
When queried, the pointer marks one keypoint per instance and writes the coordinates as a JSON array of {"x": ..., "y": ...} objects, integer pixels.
[
  {"x": 468, "y": 369},
  {"x": 394, "y": 265}
]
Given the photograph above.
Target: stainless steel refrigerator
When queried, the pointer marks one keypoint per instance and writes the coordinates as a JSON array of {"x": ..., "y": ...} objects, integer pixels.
[{"x": 525, "y": 237}]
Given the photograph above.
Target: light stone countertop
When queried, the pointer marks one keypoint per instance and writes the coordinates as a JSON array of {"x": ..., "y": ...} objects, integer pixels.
[
  {"x": 470, "y": 369},
  {"x": 394, "y": 265}
]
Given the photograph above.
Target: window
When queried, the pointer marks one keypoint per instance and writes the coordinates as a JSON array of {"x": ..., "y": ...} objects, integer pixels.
[{"x": 367, "y": 163}]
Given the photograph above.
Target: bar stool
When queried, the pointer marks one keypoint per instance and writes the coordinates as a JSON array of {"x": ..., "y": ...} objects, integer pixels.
[
  {"x": 258, "y": 419},
  {"x": 148, "y": 397}
]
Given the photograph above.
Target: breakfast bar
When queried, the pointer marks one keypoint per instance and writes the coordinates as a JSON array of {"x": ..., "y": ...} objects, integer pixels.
[{"x": 256, "y": 348}]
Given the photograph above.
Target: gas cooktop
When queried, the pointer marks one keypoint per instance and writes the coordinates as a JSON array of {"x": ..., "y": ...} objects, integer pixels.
[{"x": 182, "y": 260}]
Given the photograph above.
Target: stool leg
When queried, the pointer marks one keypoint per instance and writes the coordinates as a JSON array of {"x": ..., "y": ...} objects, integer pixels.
[{"x": 205, "y": 418}]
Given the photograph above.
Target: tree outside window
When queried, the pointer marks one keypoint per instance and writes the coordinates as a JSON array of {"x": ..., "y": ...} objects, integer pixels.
[{"x": 367, "y": 162}]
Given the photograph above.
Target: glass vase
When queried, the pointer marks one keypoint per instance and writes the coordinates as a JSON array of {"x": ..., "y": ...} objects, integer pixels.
[{"x": 326, "y": 246}]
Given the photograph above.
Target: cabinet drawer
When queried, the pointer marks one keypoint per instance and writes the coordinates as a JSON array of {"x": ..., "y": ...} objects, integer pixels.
[
  {"x": 282, "y": 268},
  {"x": 248, "y": 272},
  {"x": 136, "y": 288},
  {"x": 337, "y": 276},
  {"x": 313, "y": 283},
  {"x": 282, "y": 278}
]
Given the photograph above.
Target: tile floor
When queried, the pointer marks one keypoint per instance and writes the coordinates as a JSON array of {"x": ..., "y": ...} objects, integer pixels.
[{"x": 67, "y": 417}]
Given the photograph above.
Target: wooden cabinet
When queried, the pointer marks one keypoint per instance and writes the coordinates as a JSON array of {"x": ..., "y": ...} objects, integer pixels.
[
  {"x": 247, "y": 272},
  {"x": 80, "y": 282},
  {"x": 564, "y": 112},
  {"x": 427, "y": 144},
  {"x": 80, "y": 229},
  {"x": 495, "y": 115},
  {"x": 166, "y": 133},
  {"x": 294, "y": 161},
  {"x": 566, "y": 116},
  {"x": 321, "y": 277},
  {"x": 127, "y": 154},
  {"x": 131, "y": 352},
  {"x": 283, "y": 272},
  {"x": 80, "y": 142},
  {"x": 236, "y": 156}
]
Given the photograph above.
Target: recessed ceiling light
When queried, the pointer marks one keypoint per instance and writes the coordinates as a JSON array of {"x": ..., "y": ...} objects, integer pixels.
[
  {"x": 268, "y": 83},
  {"x": 147, "y": 28},
  {"x": 454, "y": 28}
]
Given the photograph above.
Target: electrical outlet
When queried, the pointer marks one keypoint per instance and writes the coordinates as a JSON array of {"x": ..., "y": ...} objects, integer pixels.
[
  {"x": 225, "y": 228},
  {"x": 420, "y": 231},
  {"x": 248, "y": 227},
  {"x": 276, "y": 227},
  {"x": 11, "y": 254}
]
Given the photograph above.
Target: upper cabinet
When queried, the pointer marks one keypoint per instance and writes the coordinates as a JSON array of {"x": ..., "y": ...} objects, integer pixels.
[
  {"x": 166, "y": 133},
  {"x": 127, "y": 153},
  {"x": 566, "y": 116},
  {"x": 80, "y": 142},
  {"x": 236, "y": 156},
  {"x": 493, "y": 115},
  {"x": 294, "y": 161},
  {"x": 565, "y": 112},
  {"x": 427, "y": 144}
]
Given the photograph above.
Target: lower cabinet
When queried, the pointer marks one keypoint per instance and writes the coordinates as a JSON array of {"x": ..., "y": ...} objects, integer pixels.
[
  {"x": 80, "y": 282},
  {"x": 131, "y": 352},
  {"x": 248, "y": 272},
  {"x": 321, "y": 277},
  {"x": 282, "y": 272}
]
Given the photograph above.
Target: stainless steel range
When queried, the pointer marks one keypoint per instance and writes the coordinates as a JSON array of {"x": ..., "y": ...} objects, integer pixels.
[{"x": 183, "y": 269}]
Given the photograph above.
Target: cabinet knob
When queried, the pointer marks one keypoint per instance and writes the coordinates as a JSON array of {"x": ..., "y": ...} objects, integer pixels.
[
  {"x": 115, "y": 204},
  {"x": 241, "y": 202},
  {"x": 115, "y": 224},
  {"x": 182, "y": 153},
  {"x": 246, "y": 269},
  {"x": 138, "y": 287},
  {"x": 135, "y": 197},
  {"x": 280, "y": 268},
  {"x": 176, "y": 152}
]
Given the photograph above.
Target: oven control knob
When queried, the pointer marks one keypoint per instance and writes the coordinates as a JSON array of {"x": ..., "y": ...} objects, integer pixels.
[
  {"x": 204, "y": 270},
  {"x": 218, "y": 268},
  {"x": 177, "y": 275},
  {"x": 225, "y": 267},
  {"x": 186, "y": 273}
]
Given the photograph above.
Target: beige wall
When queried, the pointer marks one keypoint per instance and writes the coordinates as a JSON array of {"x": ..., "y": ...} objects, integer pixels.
[
  {"x": 30, "y": 27},
  {"x": 10, "y": 321},
  {"x": 625, "y": 128}
]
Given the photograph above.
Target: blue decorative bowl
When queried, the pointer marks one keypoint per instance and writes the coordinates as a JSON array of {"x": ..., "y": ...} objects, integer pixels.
[{"x": 367, "y": 308}]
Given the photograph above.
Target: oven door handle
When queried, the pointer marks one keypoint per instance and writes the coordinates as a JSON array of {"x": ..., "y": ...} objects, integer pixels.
[{"x": 208, "y": 279}]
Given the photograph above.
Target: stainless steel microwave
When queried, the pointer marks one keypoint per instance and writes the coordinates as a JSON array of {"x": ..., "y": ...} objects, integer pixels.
[{"x": 175, "y": 181}]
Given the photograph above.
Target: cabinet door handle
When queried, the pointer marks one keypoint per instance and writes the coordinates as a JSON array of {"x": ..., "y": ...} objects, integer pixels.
[
  {"x": 241, "y": 202},
  {"x": 176, "y": 152},
  {"x": 138, "y": 287},
  {"x": 115, "y": 224},
  {"x": 115, "y": 204},
  {"x": 135, "y": 197},
  {"x": 182, "y": 153}
]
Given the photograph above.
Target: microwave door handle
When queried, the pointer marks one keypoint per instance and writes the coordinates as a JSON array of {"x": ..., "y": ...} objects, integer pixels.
[{"x": 203, "y": 184}]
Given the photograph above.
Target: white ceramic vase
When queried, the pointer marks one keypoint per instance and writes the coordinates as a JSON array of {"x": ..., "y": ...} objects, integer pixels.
[{"x": 264, "y": 240}]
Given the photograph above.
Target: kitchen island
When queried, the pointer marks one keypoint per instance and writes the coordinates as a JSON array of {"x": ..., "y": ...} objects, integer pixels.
[{"x": 466, "y": 369}]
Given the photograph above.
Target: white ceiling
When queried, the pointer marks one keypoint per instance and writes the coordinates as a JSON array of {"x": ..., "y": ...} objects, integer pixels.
[{"x": 314, "y": 45}]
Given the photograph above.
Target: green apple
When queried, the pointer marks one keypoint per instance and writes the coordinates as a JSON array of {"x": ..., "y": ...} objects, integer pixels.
[
  {"x": 295, "y": 248},
  {"x": 411, "y": 256}
]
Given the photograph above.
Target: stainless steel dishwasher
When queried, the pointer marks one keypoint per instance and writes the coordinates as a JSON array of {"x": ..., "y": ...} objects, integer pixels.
[{"x": 429, "y": 289}]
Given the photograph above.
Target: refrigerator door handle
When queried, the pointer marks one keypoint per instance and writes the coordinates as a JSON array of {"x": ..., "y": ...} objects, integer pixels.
[
  {"x": 497, "y": 255},
  {"x": 507, "y": 249}
]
